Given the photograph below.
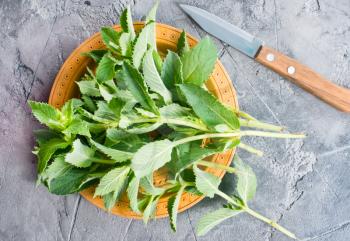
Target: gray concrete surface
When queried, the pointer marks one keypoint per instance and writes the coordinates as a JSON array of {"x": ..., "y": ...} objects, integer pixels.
[{"x": 304, "y": 184}]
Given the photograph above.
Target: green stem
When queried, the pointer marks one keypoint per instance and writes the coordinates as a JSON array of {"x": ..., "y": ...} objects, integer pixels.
[
  {"x": 250, "y": 149},
  {"x": 237, "y": 134},
  {"x": 270, "y": 222},
  {"x": 245, "y": 115},
  {"x": 103, "y": 161},
  {"x": 260, "y": 125},
  {"x": 228, "y": 199},
  {"x": 171, "y": 121},
  {"x": 217, "y": 166},
  {"x": 145, "y": 120},
  {"x": 257, "y": 215},
  {"x": 184, "y": 123}
]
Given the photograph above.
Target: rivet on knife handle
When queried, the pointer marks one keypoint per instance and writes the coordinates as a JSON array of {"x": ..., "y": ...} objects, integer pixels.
[{"x": 306, "y": 78}]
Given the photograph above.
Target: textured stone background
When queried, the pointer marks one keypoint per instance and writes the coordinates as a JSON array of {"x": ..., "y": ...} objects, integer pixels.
[{"x": 304, "y": 184}]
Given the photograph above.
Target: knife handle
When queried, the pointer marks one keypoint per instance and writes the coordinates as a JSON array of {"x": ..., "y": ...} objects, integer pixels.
[{"x": 305, "y": 77}]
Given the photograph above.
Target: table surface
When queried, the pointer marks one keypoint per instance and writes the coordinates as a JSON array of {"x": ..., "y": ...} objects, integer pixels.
[{"x": 304, "y": 184}]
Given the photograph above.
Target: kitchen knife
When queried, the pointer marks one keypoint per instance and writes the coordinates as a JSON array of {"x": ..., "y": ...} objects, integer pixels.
[{"x": 287, "y": 67}]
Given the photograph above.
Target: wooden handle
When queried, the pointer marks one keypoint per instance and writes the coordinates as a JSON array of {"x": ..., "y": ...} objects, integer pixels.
[{"x": 306, "y": 78}]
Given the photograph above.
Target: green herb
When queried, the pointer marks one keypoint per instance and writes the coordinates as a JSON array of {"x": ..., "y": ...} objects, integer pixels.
[
  {"x": 151, "y": 157},
  {"x": 173, "y": 206},
  {"x": 182, "y": 44},
  {"x": 113, "y": 181},
  {"x": 199, "y": 63},
  {"x": 105, "y": 69},
  {"x": 172, "y": 75},
  {"x": 138, "y": 114},
  {"x": 110, "y": 37},
  {"x": 152, "y": 77},
  {"x": 96, "y": 55},
  {"x": 81, "y": 155},
  {"x": 136, "y": 85},
  {"x": 208, "y": 108}
]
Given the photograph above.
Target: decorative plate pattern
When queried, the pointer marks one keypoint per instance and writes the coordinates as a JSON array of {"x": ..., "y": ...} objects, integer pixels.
[{"x": 65, "y": 88}]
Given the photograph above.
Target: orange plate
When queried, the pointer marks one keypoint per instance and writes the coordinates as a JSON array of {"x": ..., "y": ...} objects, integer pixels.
[{"x": 65, "y": 88}]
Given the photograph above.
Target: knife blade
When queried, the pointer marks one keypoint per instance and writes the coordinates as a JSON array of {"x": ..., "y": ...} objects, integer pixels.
[{"x": 305, "y": 77}]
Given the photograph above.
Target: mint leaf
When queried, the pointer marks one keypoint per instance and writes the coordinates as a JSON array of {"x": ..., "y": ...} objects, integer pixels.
[
  {"x": 174, "y": 111},
  {"x": 210, "y": 220},
  {"x": 145, "y": 37},
  {"x": 56, "y": 168},
  {"x": 173, "y": 206},
  {"x": 106, "y": 93},
  {"x": 115, "y": 135},
  {"x": 136, "y": 85},
  {"x": 91, "y": 178},
  {"x": 94, "y": 117},
  {"x": 105, "y": 69},
  {"x": 125, "y": 43},
  {"x": 96, "y": 55},
  {"x": 123, "y": 20},
  {"x": 192, "y": 153},
  {"x": 206, "y": 183},
  {"x": 46, "y": 151},
  {"x": 46, "y": 114},
  {"x": 89, "y": 104},
  {"x": 81, "y": 155},
  {"x": 108, "y": 90},
  {"x": 157, "y": 60},
  {"x": 110, "y": 37},
  {"x": 172, "y": 75},
  {"x": 88, "y": 88},
  {"x": 150, "y": 209},
  {"x": 111, "y": 85},
  {"x": 150, "y": 157},
  {"x": 147, "y": 184},
  {"x": 132, "y": 192},
  {"x": 144, "y": 128},
  {"x": 152, "y": 77},
  {"x": 126, "y": 22},
  {"x": 245, "y": 180},
  {"x": 133, "y": 123},
  {"x": 182, "y": 44},
  {"x": 113, "y": 181},
  {"x": 44, "y": 135},
  {"x": 63, "y": 179},
  {"x": 76, "y": 103},
  {"x": 151, "y": 16},
  {"x": 126, "y": 39},
  {"x": 208, "y": 108},
  {"x": 150, "y": 20},
  {"x": 116, "y": 155},
  {"x": 111, "y": 198},
  {"x": 78, "y": 127},
  {"x": 178, "y": 117},
  {"x": 67, "y": 111},
  {"x": 199, "y": 62},
  {"x": 145, "y": 113},
  {"x": 109, "y": 111}
]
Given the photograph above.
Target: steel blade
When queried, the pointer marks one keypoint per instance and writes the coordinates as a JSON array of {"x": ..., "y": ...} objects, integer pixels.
[{"x": 234, "y": 36}]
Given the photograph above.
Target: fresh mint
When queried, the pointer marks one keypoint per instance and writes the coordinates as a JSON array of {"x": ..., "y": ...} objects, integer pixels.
[
  {"x": 135, "y": 83},
  {"x": 105, "y": 69},
  {"x": 138, "y": 113},
  {"x": 152, "y": 77},
  {"x": 199, "y": 62},
  {"x": 182, "y": 44},
  {"x": 113, "y": 181}
]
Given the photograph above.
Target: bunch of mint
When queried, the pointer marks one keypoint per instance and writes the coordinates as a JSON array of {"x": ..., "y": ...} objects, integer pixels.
[{"x": 138, "y": 113}]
